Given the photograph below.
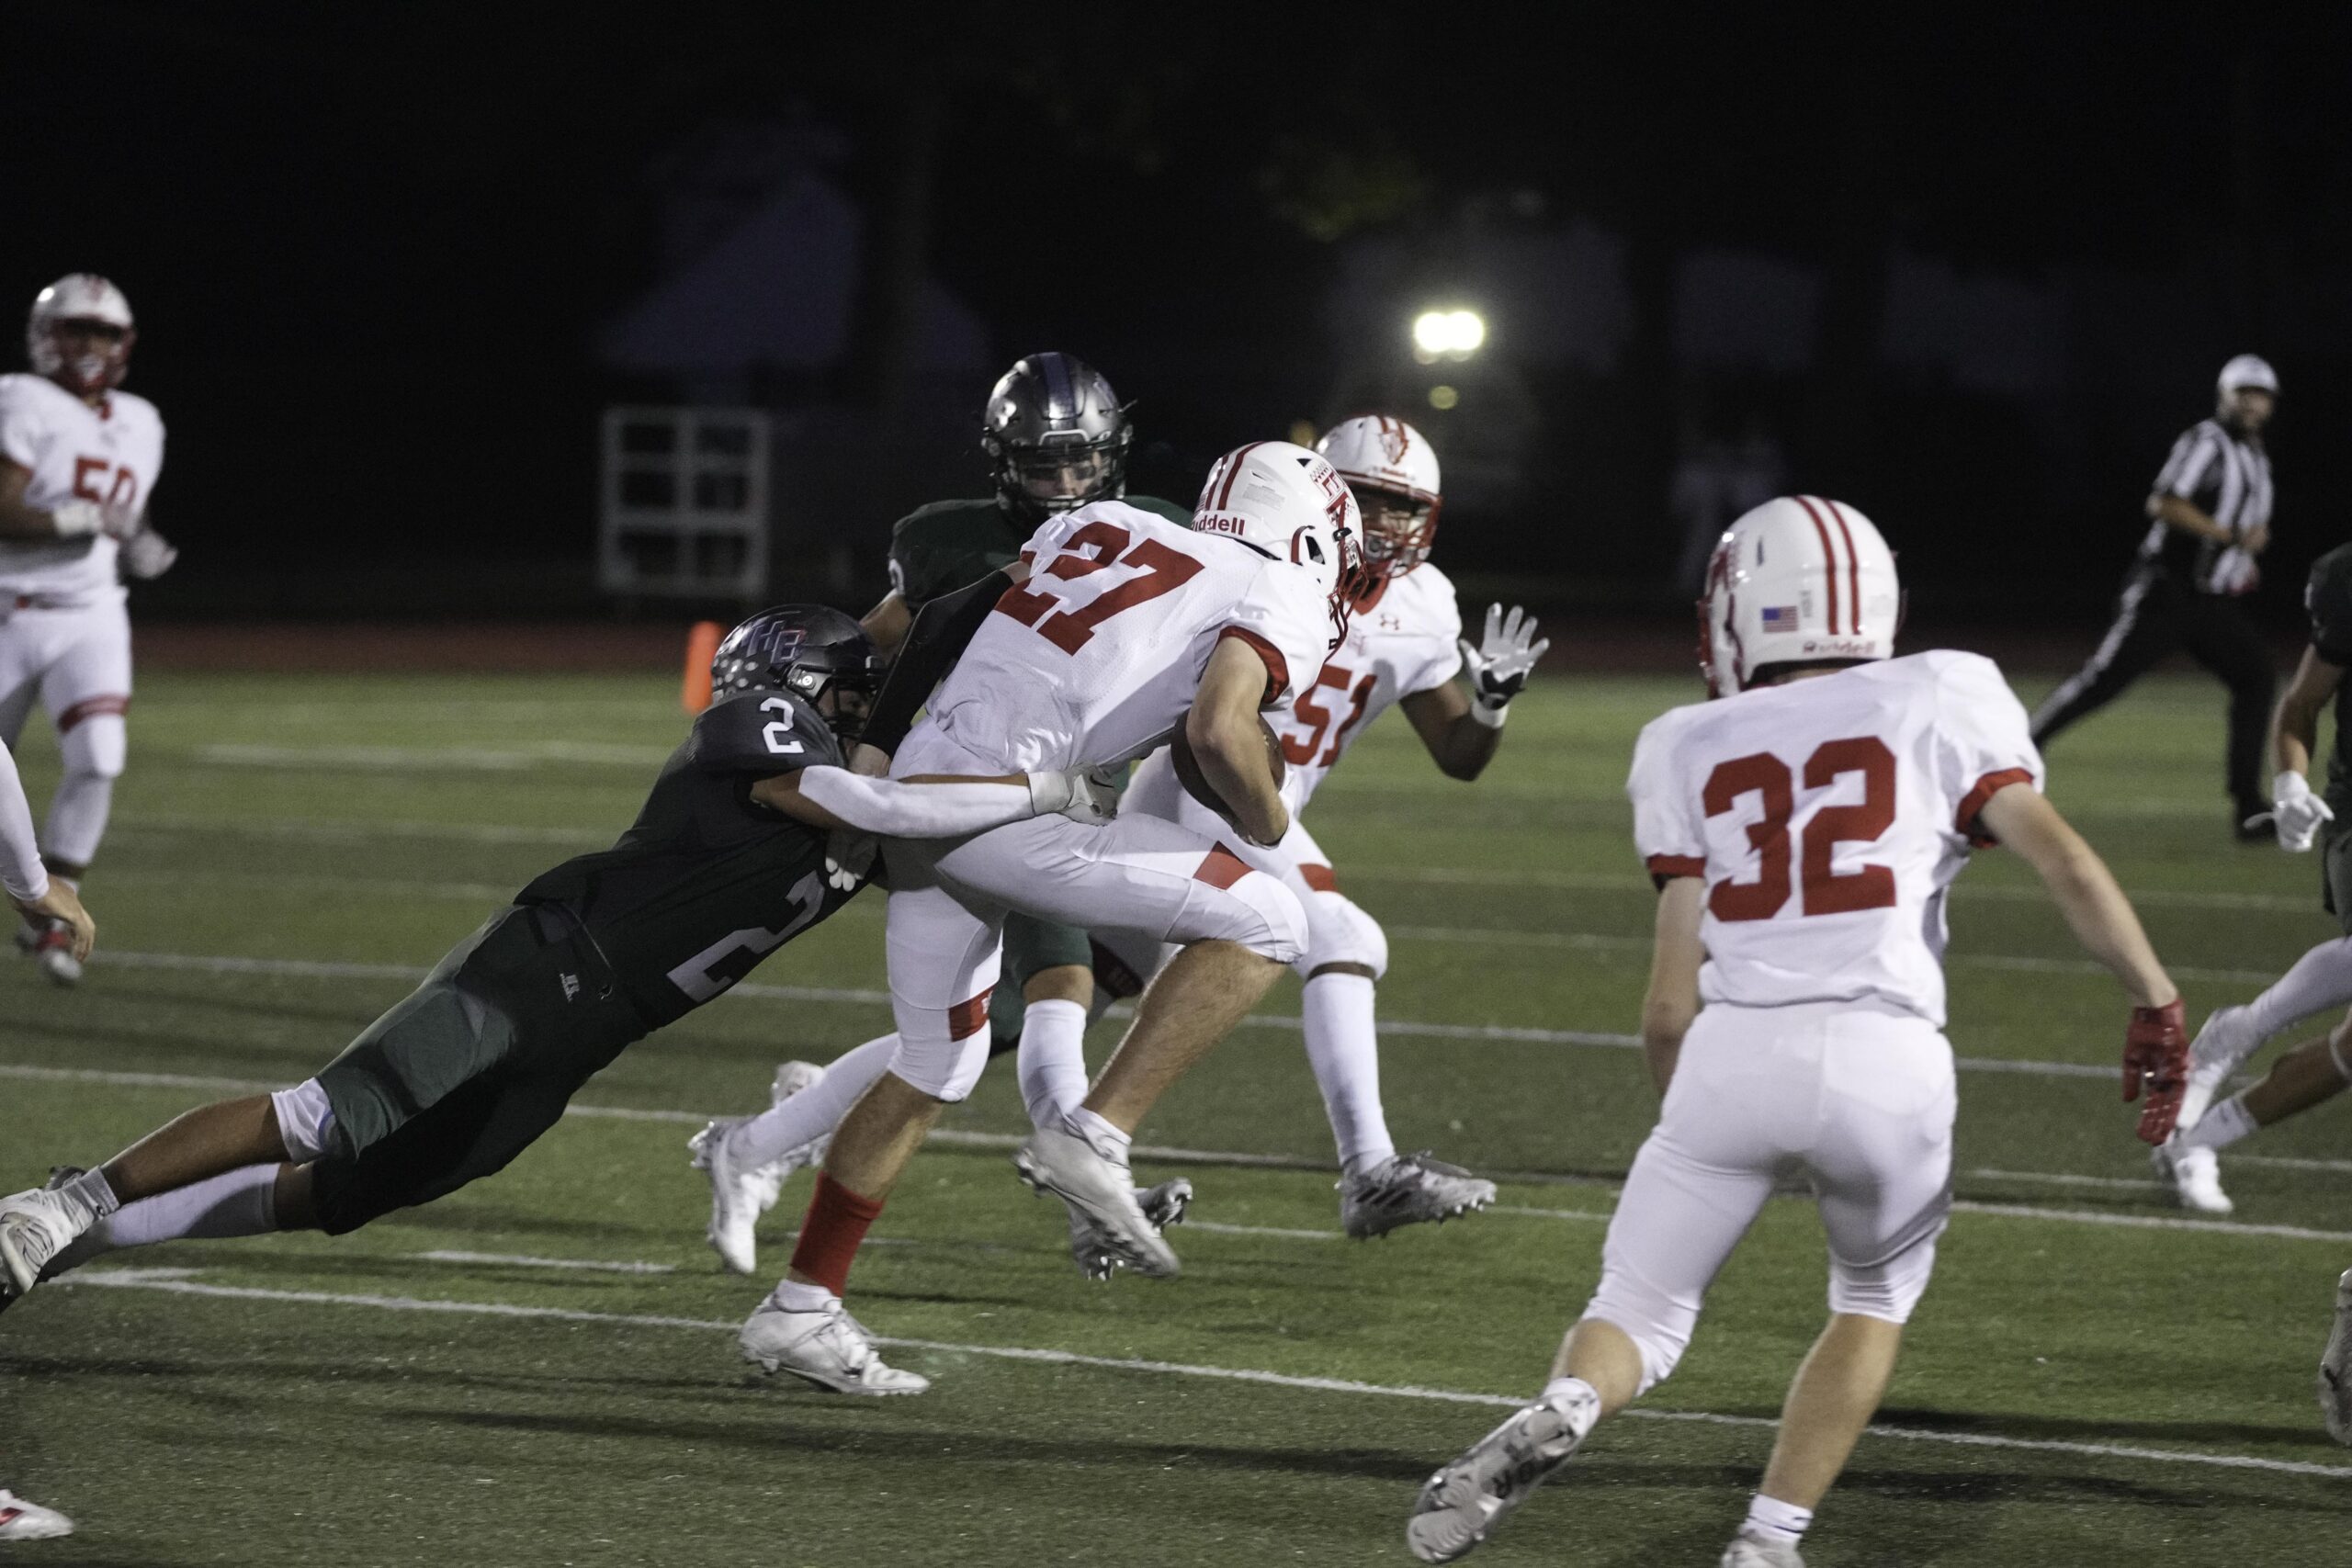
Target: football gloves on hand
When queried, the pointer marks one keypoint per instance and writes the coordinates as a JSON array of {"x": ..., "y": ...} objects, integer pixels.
[
  {"x": 849, "y": 858},
  {"x": 1499, "y": 665},
  {"x": 2296, "y": 813},
  {"x": 78, "y": 519},
  {"x": 147, "y": 555},
  {"x": 1082, "y": 795},
  {"x": 2155, "y": 1057}
]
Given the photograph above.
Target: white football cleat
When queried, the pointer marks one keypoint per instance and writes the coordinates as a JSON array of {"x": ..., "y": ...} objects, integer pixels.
[
  {"x": 1163, "y": 1205},
  {"x": 2193, "y": 1173},
  {"x": 2219, "y": 1049},
  {"x": 1094, "y": 1179},
  {"x": 34, "y": 1226},
  {"x": 734, "y": 1196},
  {"x": 2335, "y": 1368},
  {"x": 53, "y": 950},
  {"x": 828, "y": 1347},
  {"x": 1462, "y": 1503},
  {"x": 1746, "y": 1550},
  {"x": 1407, "y": 1190},
  {"x": 20, "y": 1520}
]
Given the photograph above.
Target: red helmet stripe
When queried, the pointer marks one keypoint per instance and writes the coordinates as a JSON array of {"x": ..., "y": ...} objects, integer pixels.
[
  {"x": 1853, "y": 567},
  {"x": 1829, "y": 555}
]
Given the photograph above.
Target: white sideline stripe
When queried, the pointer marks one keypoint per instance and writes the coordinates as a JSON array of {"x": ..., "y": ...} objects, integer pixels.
[
  {"x": 2287, "y": 1162},
  {"x": 525, "y": 1261},
  {"x": 1217, "y": 1228},
  {"x": 143, "y": 1281},
  {"x": 956, "y": 1138},
  {"x": 430, "y": 759},
  {"x": 326, "y": 969},
  {"x": 2063, "y": 1179}
]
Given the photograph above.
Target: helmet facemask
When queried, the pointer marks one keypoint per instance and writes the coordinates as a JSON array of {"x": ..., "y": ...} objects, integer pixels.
[
  {"x": 1061, "y": 475},
  {"x": 85, "y": 357},
  {"x": 1398, "y": 529}
]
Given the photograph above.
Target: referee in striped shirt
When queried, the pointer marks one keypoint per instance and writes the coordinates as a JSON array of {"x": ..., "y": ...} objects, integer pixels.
[{"x": 2210, "y": 519}]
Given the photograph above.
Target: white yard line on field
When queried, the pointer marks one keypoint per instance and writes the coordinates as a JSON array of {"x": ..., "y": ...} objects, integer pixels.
[
  {"x": 432, "y": 758},
  {"x": 133, "y": 1280},
  {"x": 526, "y": 1260},
  {"x": 961, "y": 1139},
  {"x": 2287, "y": 1162}
]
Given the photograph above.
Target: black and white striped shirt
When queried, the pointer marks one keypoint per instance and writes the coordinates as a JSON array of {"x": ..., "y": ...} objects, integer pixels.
[{"x": 2227, "y": 476}]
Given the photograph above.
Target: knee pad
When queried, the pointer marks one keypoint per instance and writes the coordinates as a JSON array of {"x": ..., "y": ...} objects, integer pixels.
[
  {"x": 92, "y": 739},
  {"x": 1659, "y": 1327},
  {"x": 1887, "y": 1290},
  {"x": 1339, "y": 931},
  {"x": 1270, "y": 922},
  {"x": 944, "y": 1069},
  {"x": 305, "y": 1120}
]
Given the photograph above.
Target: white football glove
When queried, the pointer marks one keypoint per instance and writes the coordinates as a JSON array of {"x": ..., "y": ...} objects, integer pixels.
[
  {"x": 1083, "y": 794},
  {"x": 849, "y": 858},
  {"x": 2296, "y": 812},
  {"x": 78, "y": 519},
  {"x": 1499, "y": 665},
  {"x": 147, "y": 554}
]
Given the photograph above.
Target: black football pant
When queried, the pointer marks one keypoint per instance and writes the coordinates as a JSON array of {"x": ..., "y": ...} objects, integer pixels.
[{"x": 2156, "y": 616}]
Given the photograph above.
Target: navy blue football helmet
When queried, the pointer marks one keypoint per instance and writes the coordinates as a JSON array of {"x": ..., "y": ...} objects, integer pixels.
[{"x": 810, "y": 651}]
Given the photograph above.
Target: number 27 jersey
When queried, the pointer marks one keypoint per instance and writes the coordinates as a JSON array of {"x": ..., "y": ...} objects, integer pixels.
[{"x": 1828, "y": 817}]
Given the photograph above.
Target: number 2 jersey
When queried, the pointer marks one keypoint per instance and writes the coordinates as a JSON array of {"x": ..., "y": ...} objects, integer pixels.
[
  {"x": 111, "y": 455},
  {"x": 1403, "y": 640},
  {"x": 1828, "y": 816},
  {"x": 706, "y": 883},
  {"x": 1097, "y": 657}
]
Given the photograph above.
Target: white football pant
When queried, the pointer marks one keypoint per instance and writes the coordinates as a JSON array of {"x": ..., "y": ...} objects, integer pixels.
[
  {"x": 1854, "y": 1096},
  {"x": 949, "y": 897},
  {"x": 76, "y": 664}
]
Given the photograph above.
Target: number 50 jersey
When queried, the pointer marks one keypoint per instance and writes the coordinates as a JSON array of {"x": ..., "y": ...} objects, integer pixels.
[
  {"x": 1828, "y": 816},
  {"x": 1097, "y": 657}
]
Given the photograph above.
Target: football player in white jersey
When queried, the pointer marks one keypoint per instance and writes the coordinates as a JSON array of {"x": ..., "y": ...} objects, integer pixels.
[
  {"x": 1802, "y": 830},
  {"x": 79, "y": 459},
  {"x": 1114, "y": 629}
]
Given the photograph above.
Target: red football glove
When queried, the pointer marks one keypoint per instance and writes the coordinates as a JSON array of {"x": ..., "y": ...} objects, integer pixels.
[{"x": 2155, "y": 1052}]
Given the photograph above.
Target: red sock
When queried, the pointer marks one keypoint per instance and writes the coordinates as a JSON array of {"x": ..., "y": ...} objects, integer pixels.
[{"x": 832, "y": 1232}]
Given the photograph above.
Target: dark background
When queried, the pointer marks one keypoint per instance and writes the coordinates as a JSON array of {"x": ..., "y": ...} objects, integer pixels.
[{"x": 1970, "y": 271}]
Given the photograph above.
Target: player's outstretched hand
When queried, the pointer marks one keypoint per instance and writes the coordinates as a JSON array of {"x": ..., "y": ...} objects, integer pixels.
[
  {"x": 60, "y": 903},
  {"x": 2296, "y": 813},
  {"x": 1499, "y": 665},
  {"x": 147, "y": 555},
  {"x": 2155, "y": 1058}
]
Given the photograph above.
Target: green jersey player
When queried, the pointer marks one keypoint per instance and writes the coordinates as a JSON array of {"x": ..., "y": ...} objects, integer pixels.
[{"x": 726, "y": 862}]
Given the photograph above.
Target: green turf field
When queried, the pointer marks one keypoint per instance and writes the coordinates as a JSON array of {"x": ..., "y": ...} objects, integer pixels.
[{"x": 542, "y": 1369}]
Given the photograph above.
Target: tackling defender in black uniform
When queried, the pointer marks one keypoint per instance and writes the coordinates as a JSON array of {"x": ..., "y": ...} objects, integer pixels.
[{"x": 725, "y": 863}]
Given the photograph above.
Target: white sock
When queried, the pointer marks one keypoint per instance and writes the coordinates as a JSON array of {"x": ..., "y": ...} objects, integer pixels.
[
  {"x": 2222, "y": 1126},
  {"x": 1344, "y": 1047},
  {"x": 2320, "y": 981},
  {"x": 794, "y": 1296},
  {"x": 1052, "y": 1061},
  {"x": 1095, "y": 1129},
  {"x": 815, "y": 1111},
  {"x": 1774, "y": 1520},
  {"x": 236, "y": 1203},
  {"x": 1563, "y": 1387}
]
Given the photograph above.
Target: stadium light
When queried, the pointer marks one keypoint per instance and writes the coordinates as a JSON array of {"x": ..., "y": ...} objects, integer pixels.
[{"x": 1447, "y": 334}]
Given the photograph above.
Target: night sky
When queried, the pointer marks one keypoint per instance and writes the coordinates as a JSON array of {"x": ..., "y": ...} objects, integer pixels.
[{"x": 372, "y": 248}]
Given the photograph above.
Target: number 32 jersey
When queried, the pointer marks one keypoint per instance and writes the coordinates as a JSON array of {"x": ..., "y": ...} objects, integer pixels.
[
  {"x": 1828, "y": 817},
  {"x": 1096, "y": 658},
  {"x": 111, "y": 455},
  {"x": 1403, "y": 641}
]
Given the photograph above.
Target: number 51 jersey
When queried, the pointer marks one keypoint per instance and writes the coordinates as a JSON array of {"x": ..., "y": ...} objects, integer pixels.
[
  {"x": 1097, "y": 657},
  {"x": 1828, "y": 817}
]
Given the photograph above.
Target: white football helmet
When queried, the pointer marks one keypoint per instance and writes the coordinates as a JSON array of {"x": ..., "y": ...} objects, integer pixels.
[
  {"x": 1289, "y": 505},
  {"x": 1798, "y": 579},
  {"x": 1376, "y": 452},
  {"x": 81, "y": 369}
]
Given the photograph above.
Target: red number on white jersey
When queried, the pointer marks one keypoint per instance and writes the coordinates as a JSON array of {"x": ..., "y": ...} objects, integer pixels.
[
  {"x": 121, "y": 492},
  {"x": 1160, "y": 569},
  {"x": 1827, "y": 892},
  {"x": 1308, "y": 712}
]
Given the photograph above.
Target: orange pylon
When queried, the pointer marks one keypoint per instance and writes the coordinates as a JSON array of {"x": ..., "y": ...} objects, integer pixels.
[{"x": 702, "y": 641}]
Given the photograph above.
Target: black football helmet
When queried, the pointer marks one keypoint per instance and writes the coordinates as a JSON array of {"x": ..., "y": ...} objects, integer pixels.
[
  {"x": 808, "y": 650},
  {"x": 1056, "y": 436}
]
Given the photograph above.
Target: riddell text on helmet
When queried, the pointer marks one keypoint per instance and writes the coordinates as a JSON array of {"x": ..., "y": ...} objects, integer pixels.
[{"x": 1841, "y": 646}]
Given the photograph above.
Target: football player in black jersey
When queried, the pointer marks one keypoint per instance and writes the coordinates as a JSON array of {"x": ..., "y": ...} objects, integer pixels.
[{"x": 725, "y": 863}]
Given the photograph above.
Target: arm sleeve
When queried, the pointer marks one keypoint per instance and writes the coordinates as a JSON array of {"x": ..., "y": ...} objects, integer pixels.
[
  {"x": 762, "y": 733},
  {"x": 20, "y": 869},
  {"x": 2327, "y": 598},
  {"x": 20, "y": 432},
  {"x": 1668, "y": 833},
  {"x": 1287, "y": 620},
  {"x": 941, "y": 632},
  {"x": 896, "y": 810},
  {"x": 2185, "y": 469},
  {"x": 1984, "y": 742}
]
